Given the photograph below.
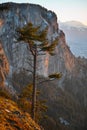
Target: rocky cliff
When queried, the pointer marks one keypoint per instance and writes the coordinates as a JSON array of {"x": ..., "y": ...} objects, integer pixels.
[
  {"x": 18, "y": 15},
  {"x": 67, "y": 98}
]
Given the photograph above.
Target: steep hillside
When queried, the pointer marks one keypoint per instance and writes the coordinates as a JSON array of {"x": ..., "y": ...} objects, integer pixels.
[
  {"x": 12, "y": 118},
  {"x": 64, "y": 111},
  {"x": 73, "y": 84}
]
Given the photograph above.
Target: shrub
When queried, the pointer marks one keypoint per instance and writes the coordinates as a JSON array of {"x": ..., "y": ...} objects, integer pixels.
[{"x": 5, "y": 93}]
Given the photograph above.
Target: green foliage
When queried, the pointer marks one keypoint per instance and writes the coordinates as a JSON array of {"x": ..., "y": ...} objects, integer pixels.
[
  {"x": 38, "y": 43},
  {"x": 55, "y": 76},
  {"x": 24, "y": 104},
  {"x": 25, "y": 99},
  {"x": 30, "y": 33},
  {"x": 27, "y": 92},
  {"x": 41, "y": 109},
  {"x": 50, "y": 48}
]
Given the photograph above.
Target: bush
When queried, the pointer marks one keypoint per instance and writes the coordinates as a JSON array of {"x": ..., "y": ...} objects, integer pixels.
[
  {"x": 5, "y": 93},
  {"x": 25, "y": 101}
]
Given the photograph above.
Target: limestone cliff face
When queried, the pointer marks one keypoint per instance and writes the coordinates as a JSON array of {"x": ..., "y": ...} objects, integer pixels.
[
  {"x": 64, "y": 60},
  {"x": 17, "y": 16},
  {"x": 18, "y": 54},
  {"x": 4, "y": 67}
]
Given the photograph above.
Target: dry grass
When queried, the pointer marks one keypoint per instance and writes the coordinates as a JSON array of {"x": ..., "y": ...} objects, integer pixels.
[{"x": 12, "y": 118}]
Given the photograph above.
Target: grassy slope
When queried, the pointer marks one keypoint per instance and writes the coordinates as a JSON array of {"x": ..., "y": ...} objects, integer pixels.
[{"x": 12, "y": 118}]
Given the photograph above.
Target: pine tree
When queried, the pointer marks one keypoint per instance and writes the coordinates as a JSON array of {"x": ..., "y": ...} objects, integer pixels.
[
  {"x": 25, "y": 98},
  {"x": 38, "y": 44},
  {"x": 4, "y": 7}
]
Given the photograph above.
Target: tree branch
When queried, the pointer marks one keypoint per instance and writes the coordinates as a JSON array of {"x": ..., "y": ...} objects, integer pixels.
[
  {"x": 27, "y": 70},
  {"x": 48, "y": 80}
]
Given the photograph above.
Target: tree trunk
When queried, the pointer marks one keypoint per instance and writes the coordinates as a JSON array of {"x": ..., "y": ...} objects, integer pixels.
[{"x": 33, "y": 107}]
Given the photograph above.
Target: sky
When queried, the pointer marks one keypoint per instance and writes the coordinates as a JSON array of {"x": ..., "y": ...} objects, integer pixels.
[{"x": 66, "y": 10}]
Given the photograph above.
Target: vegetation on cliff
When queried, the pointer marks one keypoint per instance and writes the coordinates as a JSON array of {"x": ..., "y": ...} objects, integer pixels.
[
  {"x": 12, "y": 118},
  {"x": 65, "y": 104},
  {"x": 38, "y": 45}
]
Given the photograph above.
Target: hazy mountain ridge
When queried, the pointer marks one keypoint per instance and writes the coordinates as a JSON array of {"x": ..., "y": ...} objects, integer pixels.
[
  {"x": 76, "y": 24},
  {"x": 74, "y": 69},
  {"x": 76, "y": 36}
]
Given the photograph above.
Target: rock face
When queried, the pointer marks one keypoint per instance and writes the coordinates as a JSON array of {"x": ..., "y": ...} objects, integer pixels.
[
  {"x": 4, "y": 66},
  {"x": 17, "y": 15}
]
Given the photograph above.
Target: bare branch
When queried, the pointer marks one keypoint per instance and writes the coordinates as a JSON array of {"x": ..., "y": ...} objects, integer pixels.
[
  {"x": 41, "y": 54},
  {"x": 29, "y": 64},
  {"x": 48, "y": 80},
  {"x": 28, "y": 70},
  {"x": 29, "y": 59}
]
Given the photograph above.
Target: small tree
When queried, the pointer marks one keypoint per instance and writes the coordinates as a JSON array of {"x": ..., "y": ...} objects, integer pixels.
[
  {"x": 38, "y": 45},
  {"x": 25, "y": 98}
]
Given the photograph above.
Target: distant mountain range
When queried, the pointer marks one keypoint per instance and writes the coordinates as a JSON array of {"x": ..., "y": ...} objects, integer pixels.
[{"x": 76, "y": 36}]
